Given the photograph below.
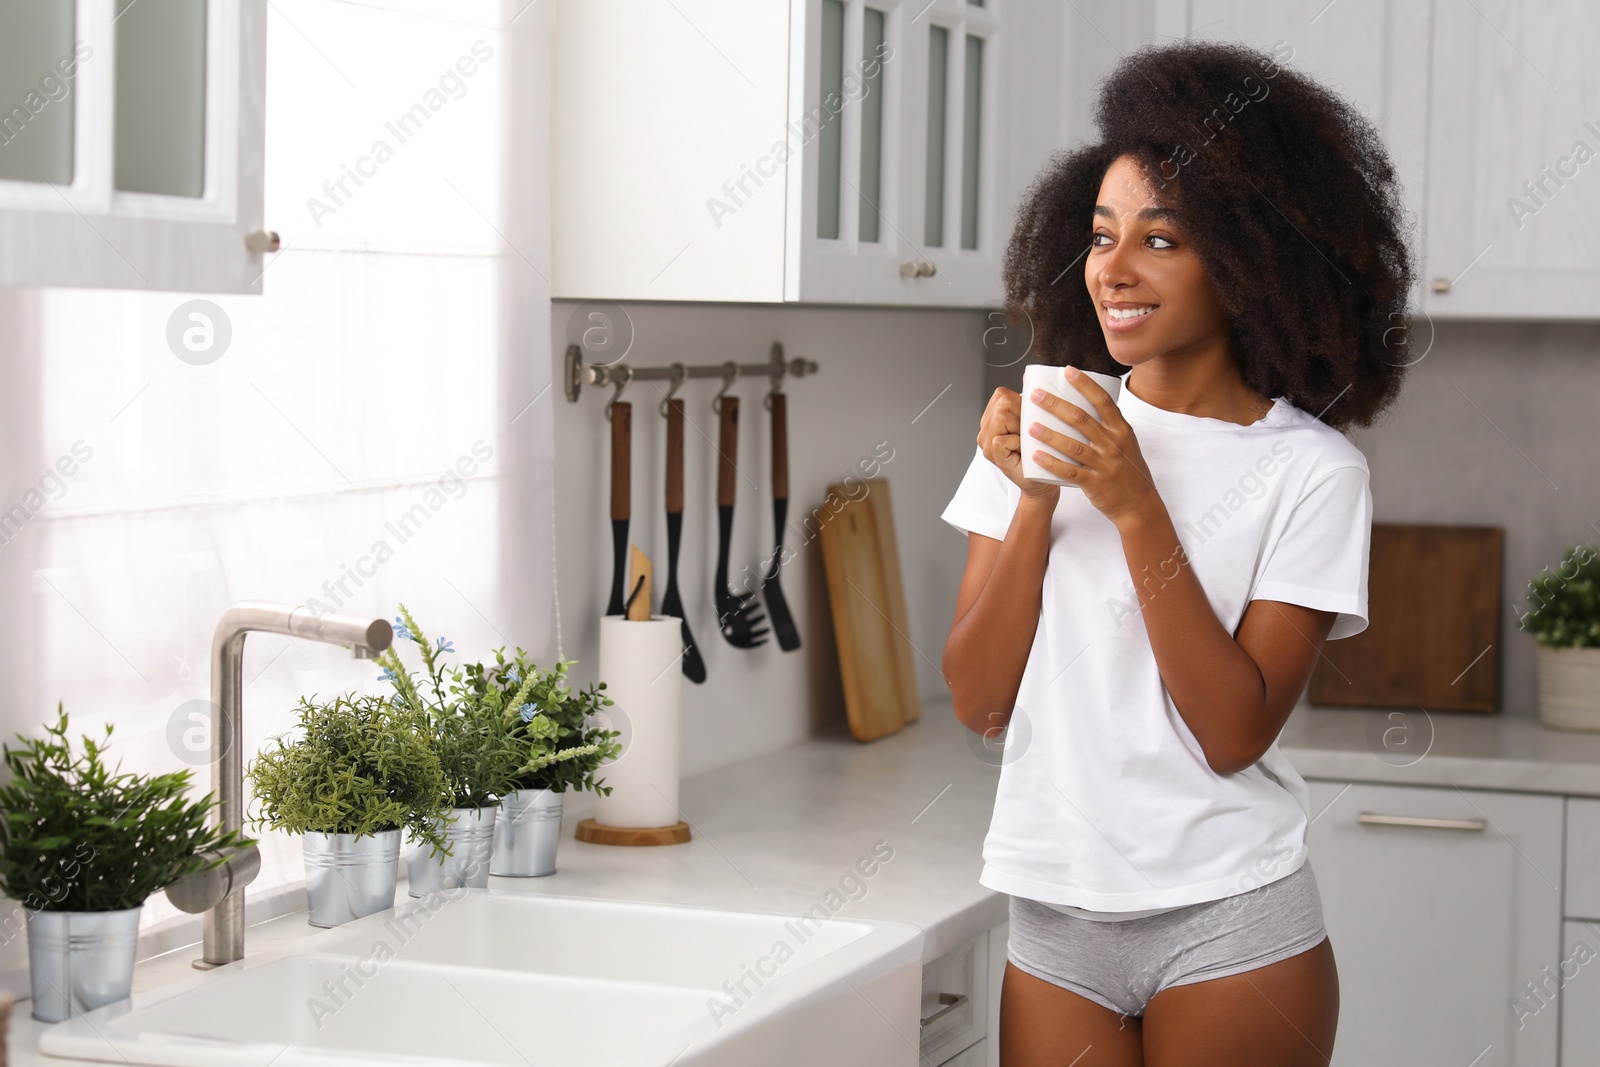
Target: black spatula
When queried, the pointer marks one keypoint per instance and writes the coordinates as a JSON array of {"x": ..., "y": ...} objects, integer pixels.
[{"x": 777, "y": 608}]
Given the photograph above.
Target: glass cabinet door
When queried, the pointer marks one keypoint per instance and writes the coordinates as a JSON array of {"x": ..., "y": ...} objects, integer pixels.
[
  {"x": 854, "y": 119},
  {"x": 161, "y": 97},
  {"x": 897, "y": 104},
  {"x": 37, "y": 67},
  {"x": 131, "y": 144},
  {"x": 957, "y": 40}
]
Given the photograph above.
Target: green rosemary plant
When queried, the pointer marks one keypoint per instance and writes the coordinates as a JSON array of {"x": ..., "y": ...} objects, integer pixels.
[{"x": 361, "y": 765}]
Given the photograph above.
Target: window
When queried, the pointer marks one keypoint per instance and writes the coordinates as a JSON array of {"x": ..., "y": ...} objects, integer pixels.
[{"x": 339, "y": 441}]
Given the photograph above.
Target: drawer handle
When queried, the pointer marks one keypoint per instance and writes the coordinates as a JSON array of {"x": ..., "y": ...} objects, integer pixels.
[
  {"x": 951, "y": 1002},
  {"x": 1418, "y": 820}
]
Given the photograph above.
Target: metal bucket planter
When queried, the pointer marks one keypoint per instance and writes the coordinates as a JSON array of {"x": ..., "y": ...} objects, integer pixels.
[
  {"x": 470, "y": 832},
  {"x": 80, "y": 960},
  {"x": 1569, "y": 687},
  {"x": 526, "y": 834},
  {"x": 349, "y": 876}
]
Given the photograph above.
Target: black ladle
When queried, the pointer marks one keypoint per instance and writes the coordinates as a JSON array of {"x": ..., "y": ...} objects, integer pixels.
[
  {"x": 782, "y": 622},
  {"x": 694, "y": 668}
]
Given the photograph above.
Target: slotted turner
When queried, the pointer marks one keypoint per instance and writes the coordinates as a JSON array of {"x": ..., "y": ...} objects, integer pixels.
[{"x": 738, "y": 616}]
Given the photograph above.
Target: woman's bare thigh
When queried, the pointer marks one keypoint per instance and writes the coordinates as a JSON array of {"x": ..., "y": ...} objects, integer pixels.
[
  {"x": 1281, "y": 1015},
  {"x": 1043, "y": 1025}
]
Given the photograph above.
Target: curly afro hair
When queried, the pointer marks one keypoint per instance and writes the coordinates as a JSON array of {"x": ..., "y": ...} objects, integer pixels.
[{"x": 1289, "y": 199}]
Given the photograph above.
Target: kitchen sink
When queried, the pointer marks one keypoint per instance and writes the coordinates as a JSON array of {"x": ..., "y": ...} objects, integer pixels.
[{"x": 490, "y": 977}]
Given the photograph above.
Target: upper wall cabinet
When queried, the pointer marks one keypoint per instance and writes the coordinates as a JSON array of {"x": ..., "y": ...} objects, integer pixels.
[
  {"x": 1489, "y": 112},
  {"x": 823, "y": 151},
  {"x": 131, "y": 139},
  {"x": 1513, "y": 189},
  {"x": 1338, "y": 45}
]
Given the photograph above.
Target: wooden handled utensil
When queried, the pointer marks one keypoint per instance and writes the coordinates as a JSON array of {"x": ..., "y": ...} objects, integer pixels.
[
  {"x": 778, "y": 608},
  {"x": 737, "y": 614},
  {"x": 621, "y": 494},
  {"x": 694, "y": 667}
]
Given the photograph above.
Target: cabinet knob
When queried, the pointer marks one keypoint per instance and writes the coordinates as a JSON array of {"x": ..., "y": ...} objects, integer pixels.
[
  {"x": 264, "y": 241},
  {"x": 1441, "y": 285}
]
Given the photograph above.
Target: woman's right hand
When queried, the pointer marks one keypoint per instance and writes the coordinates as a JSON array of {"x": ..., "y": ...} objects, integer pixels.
[{"x": 1000, "y": 439}]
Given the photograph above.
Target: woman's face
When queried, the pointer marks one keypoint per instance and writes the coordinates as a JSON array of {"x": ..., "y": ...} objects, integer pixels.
[{"x": 1147, "y": 283}]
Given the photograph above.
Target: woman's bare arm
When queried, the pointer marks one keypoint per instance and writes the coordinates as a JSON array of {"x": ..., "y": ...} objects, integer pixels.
[
  {"x": 997, "y": 614},
  {"x": 1234, "y": 691},
  {"x": 997, "y": 608}
]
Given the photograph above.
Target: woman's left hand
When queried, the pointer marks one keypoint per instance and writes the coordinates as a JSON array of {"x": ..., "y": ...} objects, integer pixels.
[{"x": 1114, "y": 475}]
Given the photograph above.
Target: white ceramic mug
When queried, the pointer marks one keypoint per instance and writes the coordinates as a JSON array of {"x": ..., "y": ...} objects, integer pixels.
[{"x": 1054, "y": 380}]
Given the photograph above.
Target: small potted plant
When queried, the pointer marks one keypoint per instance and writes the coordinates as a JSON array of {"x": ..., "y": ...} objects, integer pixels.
[
  {"x": 82, "y": 846},
  {"x": 480, "y": 756},
  {"x": 1565, "y": 622},
  {"x": 564, "y": 747},
  {"x": 362, "y": 769}
]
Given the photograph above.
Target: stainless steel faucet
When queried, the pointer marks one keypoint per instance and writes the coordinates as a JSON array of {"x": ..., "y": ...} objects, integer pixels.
[{"x": 220, "y": 892}]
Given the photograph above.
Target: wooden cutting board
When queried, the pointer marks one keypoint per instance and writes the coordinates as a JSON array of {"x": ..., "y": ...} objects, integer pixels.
[
  {"x": 867, "y": 601},
  {"x": 1432, "y": 640}
]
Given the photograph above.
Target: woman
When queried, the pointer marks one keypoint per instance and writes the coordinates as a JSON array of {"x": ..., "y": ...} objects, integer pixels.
[{"x": 1145, "y": 630}]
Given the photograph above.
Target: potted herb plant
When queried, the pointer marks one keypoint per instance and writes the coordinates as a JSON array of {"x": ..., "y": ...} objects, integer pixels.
[
  {"x": 564, "y": 748},
  {"x": 362, "y": 769},
  {"x": 82, "y": 846},
  {"x": 1565, "y": 622},
  {"x": 479, "y": 754}
]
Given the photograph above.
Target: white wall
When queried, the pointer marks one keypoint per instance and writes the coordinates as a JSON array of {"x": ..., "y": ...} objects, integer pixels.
[{"x": 879, "y": 369}]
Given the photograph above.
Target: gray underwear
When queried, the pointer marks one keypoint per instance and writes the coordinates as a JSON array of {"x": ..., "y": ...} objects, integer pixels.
[{"x": 1121, "y": 965}]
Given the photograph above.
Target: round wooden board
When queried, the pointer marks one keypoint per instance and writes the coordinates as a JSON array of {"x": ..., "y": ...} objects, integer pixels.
[{"x": 601, "y": 834}]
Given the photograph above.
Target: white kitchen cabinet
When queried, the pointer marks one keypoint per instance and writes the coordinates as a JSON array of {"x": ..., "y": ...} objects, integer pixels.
[
  {"x": 1576, "y": 985},
  {"x": 1436, "y": 927},
  {"x": 960, "y": 1024},
  {"x": 1583, "y": 858},
  {"x": 131, "y": 139},
  {"x": 1334, "y": 44},
  {"x": 1487, "y": 110},
  {"x": 998, "y": 939},
  {"x": 974, "y": 1056},
  {"x": 955, "y": 1001},
  {"x": 1513, "y": 210},
  {"x": 825, "y": 151}
]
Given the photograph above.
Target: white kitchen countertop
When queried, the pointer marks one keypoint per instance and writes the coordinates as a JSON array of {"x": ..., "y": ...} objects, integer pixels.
[
  {"x": 1466, "y": 749},
  {"x": 778, "y": 832}
]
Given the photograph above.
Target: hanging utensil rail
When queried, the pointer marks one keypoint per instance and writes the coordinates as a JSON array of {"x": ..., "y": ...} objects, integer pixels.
[{"x": 619, "y": 375}]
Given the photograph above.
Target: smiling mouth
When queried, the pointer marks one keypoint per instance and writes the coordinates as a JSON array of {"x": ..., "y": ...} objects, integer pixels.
[{"x": 1116, "y": 314}]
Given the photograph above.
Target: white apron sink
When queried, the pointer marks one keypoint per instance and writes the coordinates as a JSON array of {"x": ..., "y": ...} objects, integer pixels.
[{"x": 490, "y": 978}]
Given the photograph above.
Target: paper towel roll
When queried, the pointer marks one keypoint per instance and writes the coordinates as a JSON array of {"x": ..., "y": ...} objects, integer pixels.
[{"x": 639, "y": 662}]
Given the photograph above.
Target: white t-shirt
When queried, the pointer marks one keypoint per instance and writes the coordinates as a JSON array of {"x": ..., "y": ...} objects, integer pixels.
[{"x": 1105, "y": 801}]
